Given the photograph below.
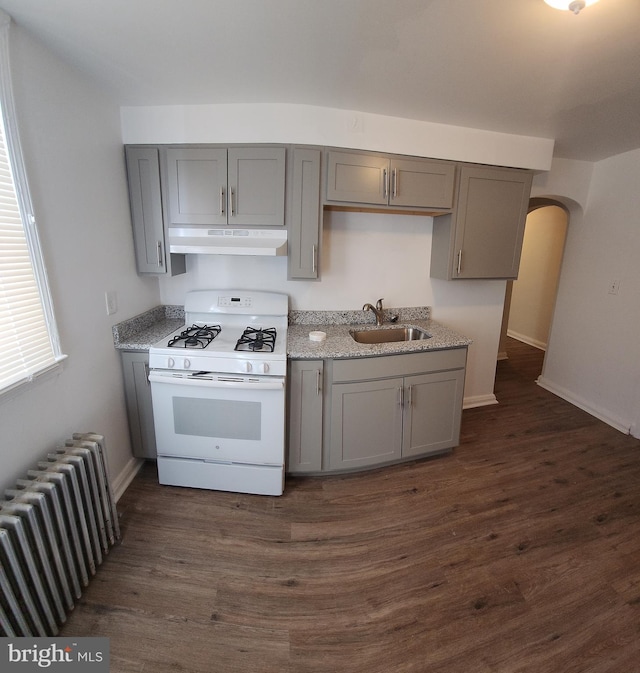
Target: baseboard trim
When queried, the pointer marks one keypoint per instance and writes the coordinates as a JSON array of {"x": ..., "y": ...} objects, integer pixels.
[
  {"x": 126, "y": 476},
  {"x": 540, "y": 345},
  {"x": 600, "y": 414},
  {"x": 479, "y": 401}
]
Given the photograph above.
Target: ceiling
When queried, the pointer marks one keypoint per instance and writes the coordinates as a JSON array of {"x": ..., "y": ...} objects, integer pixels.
[{"x": 515, "y": 66}]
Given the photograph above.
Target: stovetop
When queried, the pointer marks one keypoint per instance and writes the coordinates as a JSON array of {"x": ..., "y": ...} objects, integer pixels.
[{"x": 225, "y": 332}]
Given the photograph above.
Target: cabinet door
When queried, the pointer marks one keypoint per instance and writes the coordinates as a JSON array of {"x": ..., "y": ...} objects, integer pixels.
[
  {"x": 143, "y": 174},
  {"x": 135, "y": 366},
  {"x": 197, "y": 186},
  {"x": 492, "y": 208},
  {"x": 305, "y": 416},
  {"x": 306, "y": 215},
  {"x": 366, "y": 423},
  {"x": 433, "y": 409},
  {"x": 256, "y": 186},
  {"x": 422, "y": 184},
  {"x": 357, "y": 178}
]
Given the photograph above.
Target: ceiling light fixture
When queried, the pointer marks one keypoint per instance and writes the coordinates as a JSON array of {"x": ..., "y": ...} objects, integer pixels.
[{"x": 572, "y": 5}]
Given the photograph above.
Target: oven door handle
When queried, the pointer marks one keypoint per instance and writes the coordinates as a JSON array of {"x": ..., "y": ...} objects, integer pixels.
[{"x": 274, "y": 383}]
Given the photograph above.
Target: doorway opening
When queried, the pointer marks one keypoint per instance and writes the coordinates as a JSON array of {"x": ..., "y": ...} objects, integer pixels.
[{"x": 530, "y": 300}]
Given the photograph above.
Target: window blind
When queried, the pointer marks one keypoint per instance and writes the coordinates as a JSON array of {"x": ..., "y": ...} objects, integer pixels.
[{"x": 28, "y": 334}]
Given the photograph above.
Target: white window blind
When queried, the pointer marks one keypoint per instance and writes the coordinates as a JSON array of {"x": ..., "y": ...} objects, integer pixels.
[{"x": 29, "y": 342}]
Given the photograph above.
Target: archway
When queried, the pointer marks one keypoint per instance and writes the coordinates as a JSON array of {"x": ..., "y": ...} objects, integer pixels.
[{"x": 530, "y": 301}]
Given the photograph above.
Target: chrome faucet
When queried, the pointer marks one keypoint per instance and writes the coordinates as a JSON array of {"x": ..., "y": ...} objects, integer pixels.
[{"x": 377, "y": 311}]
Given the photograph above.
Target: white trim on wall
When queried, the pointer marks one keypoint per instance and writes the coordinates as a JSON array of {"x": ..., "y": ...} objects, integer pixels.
[{"x": 601, "y": 414}]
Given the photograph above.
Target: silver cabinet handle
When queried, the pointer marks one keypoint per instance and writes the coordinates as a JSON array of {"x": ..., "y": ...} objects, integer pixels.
[
  {"x": 222, "y": 200},
  {"x": 395, "y": 183},
  {"x": 318, "y": 382},
  {"x": 459, "y": 261},
  {"x": 159, "y": 253},
  {"x": 400, "y": 396},
  {"x": 231, "y": 195},
  {"x": 385, "y": 183},
  {"x": 410, "y": 396},
  {"x": 314, "y": 258}
]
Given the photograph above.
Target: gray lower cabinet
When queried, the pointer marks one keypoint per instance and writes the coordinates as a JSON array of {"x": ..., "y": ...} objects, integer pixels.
[
  {"x": 305, "y": 385},
  {"x": 305, "y": 213},
  {"x": 147, "y": 216},
  {"x": 366, "y": 423},
  {"x": 383, "y": 180},
  {"x": 377, "y": 418},
  {"x": 432, "y": 406},
  {"x": 135, "y": 367},
  {"x": 213, "y": 186},
  {"x": 483, "y": 236}
]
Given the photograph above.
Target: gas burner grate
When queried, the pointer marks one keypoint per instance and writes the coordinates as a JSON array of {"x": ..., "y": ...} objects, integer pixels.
[
  {"x": 196, "y": 336},
  {"x": 257, "y": 339}
]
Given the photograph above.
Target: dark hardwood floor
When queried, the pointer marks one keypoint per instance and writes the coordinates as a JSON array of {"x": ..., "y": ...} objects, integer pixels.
[{"x": 519, "y": 552}]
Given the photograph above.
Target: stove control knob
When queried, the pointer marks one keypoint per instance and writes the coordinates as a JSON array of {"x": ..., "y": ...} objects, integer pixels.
[
  {"x": 171, "y": 363},
  {"x": 187, "y": 363},
  {"x": 248, "y": 367},
  {"x": 264, "y": 367}
]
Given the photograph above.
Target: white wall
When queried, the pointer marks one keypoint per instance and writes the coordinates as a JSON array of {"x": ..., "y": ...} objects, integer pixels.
[
  {"x": 593, "y": 357},
  {"x": 70, "y": 133},
  {"x": 314, "y": 125},
  {"x": 534, "y": 293}
]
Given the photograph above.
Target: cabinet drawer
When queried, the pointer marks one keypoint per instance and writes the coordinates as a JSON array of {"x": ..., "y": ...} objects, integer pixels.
[{"x": 385, "y": 366}]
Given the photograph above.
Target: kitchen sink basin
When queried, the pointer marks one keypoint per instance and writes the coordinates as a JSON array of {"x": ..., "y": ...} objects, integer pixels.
[{"x": 381, "y": 336}]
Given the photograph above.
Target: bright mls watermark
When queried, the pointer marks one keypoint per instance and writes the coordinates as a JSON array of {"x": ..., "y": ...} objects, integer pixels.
[{"x": 56, "y": 655}]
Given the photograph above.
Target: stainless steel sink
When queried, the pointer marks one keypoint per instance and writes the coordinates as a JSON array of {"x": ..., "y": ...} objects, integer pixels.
[{"x": 381, "y": 336}]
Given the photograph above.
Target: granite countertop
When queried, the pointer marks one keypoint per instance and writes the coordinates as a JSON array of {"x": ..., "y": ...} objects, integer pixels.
[
  {"x": 141, "y": 332},
  {"x": 340, "y": 344}
]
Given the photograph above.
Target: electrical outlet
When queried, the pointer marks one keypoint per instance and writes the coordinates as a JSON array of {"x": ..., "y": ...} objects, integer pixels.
[
  {"x": 614, "y": 286},
  {"x": 111, "y": 299}
]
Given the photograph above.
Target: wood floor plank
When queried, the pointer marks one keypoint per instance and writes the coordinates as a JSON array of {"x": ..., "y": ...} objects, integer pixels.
[{"x": 517, "y": 553}]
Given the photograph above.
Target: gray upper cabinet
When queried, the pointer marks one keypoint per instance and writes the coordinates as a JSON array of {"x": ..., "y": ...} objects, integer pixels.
[
  {"x": 147, "y": 216},
  {"x": 305, "y": 213},
  {"x": 381, "y": 180},
  {"x": 421, "y": 184},
  {"x": 197, "y": 186},
  {"x": 239, "y": 186},
  {"x": 482, "y": 238}
]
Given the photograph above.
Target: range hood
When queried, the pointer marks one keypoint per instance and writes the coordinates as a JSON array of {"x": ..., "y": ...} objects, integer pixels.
[{"x": 227, "y": 241}]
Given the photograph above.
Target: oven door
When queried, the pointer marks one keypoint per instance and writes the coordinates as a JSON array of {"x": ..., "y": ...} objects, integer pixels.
[{"x": 218, "y": 418}]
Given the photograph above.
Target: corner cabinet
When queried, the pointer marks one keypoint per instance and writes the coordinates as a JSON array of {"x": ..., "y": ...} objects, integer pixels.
[
  {"x": 135, "y": 369},
  {"x": 213, "y": 186},
  {"x": 305, "y": 387},
  {"x": 147, "y": 217},
  {"x": 482, "y": 237},
  {"x": 381, "y": 180}
]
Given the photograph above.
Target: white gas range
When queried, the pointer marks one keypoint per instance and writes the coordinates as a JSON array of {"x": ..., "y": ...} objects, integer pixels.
[{"x": 218, "y": 387}]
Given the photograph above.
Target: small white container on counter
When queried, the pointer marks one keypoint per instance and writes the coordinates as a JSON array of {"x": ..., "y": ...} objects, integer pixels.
[{"x": 317, "y": 336}]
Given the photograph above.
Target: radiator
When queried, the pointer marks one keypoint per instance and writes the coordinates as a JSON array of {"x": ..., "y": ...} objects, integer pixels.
[{"x": 55, "y": 528}]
